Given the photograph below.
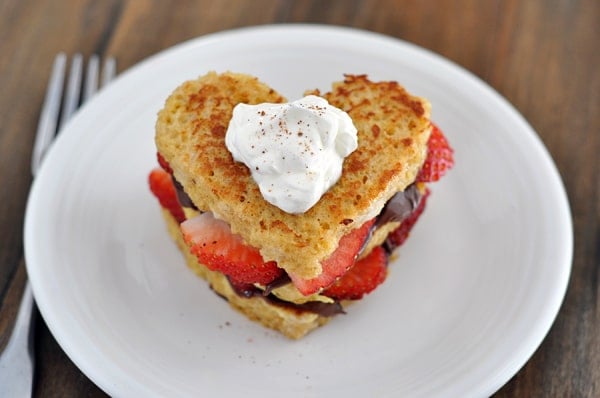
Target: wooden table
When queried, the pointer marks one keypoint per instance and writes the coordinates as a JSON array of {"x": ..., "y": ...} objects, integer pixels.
[{"x": 542, "y": 55}]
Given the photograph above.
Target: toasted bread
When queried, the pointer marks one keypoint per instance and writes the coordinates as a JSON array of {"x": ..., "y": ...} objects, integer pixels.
[{"x": 393, "y": 129}]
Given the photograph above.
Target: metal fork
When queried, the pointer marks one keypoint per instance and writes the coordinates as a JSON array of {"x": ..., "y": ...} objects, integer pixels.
[{"x": 17, "y": 360}]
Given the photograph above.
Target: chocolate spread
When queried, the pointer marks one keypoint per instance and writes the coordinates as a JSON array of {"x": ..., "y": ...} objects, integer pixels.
[
  {"x": 317, "y": 307},
  {"x": 400, "y": 206},
  {"x": 182, "y": 196}
]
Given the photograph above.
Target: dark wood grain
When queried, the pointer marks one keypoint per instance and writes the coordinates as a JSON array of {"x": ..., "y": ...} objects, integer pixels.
[{"x": 542, "y": 55}]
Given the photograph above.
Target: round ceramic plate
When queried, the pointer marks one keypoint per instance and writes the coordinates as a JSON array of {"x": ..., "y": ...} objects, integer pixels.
[{"x": 469, "y": 297}]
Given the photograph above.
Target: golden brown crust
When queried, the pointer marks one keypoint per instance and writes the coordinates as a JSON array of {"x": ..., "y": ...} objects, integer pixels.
[
  {"x": 393, "y": 128},
  {"x": 290, "y": 322}
]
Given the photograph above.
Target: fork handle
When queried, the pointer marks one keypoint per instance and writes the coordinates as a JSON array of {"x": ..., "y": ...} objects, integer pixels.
[
  {"x": 16, "y": 369},
  {"x": 23, "y": 331}
]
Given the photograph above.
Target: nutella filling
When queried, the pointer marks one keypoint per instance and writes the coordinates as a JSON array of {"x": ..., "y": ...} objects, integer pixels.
[
  {"x": 400, "y": 206},
  {"x": 317, "y": 307},
  {"x": 182, "y": 196}
]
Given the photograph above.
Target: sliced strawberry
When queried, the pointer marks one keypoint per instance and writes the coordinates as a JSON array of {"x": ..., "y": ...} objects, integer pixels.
[
  {"x": 364, "y": 276},
  {"x": 215, "y": 246},
  {"x": 440, "y": 157},
  {"x": 163, "y": 163},
  {"x": 337, "y": 263},
  {"x": 162, "y": 187},
  {"x": 399, "y": 235}
]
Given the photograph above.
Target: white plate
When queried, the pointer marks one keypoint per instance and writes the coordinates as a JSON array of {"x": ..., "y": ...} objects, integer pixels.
[{"x": 470, "y": 297}]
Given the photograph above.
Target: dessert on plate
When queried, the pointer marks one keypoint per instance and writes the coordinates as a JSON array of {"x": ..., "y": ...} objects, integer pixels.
[{"x": 291, "y": 210}]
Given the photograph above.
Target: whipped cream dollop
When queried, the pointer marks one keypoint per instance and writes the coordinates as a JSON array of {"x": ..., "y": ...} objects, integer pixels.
[{"x": 294, "y": 150}]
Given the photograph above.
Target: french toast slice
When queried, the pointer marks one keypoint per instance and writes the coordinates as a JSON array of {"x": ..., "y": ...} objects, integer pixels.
[{"x": 393, "y": 129}]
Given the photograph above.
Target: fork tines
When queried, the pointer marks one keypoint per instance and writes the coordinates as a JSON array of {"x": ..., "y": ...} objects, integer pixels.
[{"x": 52, "y": 116}]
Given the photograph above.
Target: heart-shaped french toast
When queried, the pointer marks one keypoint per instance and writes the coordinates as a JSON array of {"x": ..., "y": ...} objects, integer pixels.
[{"x": 290, "y": 210}]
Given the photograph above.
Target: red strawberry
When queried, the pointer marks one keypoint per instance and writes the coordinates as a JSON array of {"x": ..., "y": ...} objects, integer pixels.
[
  {"x": 162, "y": 187},
  {"x": 399, "y": 235},
  {"x": 163, "y": 163},
  {"x": 337, "y": 263},
  {"x": 212, "y": 241},
  {"x": 364, "y": 276},
  {"x": 440, "y": 157}
]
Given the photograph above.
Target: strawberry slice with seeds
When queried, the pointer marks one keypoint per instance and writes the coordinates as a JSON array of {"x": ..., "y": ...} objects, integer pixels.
[
  {"x": 440, "y": 157},
  {"x": 337, "y": 263},
  {"x": 162, "y": 187},
  {"x": 400, "y": 234},
  {"x": 163, "y": 163},
  {"x": 368, "y": 273},
  {"x": 215, "y": 246}
]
